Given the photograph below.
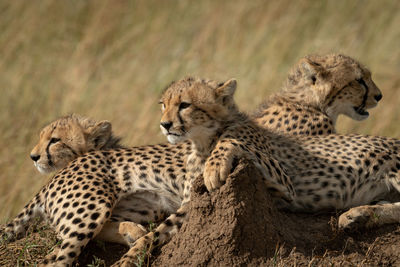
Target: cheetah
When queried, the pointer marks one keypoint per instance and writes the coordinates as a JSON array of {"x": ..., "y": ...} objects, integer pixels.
[
  {"x": 107, "y": 194},
  {"x": 319, "y": 89},
  {"x": 203, "y": 112},
  {"x": 304, "y": 173},
  {"x": 70, "y": 137}
]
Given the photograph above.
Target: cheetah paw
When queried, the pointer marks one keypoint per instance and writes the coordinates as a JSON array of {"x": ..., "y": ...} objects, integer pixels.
[
  {"x": 131, "y": 231},
  {"x": 215, "y": 175},
  {"x": 7, "y": 236},
  {"x": 358, "y": 218}
]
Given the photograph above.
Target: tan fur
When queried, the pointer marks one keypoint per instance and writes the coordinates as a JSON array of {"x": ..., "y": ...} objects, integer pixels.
[
  {"x": 319, "y": 89},
  {"x": 69, "y": 137}
]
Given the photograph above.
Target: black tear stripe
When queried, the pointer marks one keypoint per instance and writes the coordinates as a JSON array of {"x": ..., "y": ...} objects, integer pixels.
[
  {"x": 180, "y": 118},
  {"x": 365, "y": 97},
  {"x": 181, "y": 122},
  {"x": 51, "y": 164}
]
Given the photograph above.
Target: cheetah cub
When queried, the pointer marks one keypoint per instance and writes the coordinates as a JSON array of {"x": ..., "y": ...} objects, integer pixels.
[
  {"x": 319, "y": 89},
  {"x": 204, "y": 112},
  {"x": 70, "y": 137},
  {"x": 106, "y": 194}
]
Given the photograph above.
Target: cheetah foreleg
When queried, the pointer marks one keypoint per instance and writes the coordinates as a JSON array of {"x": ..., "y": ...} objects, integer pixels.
[
  {"x": 370, "y": 216},
  {"x": 18, "y": 226}
]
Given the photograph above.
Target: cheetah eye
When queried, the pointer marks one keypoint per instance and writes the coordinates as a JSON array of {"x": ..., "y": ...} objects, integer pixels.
[
  {"x": 54, "y": 140},
  {"x": 184, "y": 105},
  {"x": 362, "y": 82},
  {"x": 314, "y": 79}
]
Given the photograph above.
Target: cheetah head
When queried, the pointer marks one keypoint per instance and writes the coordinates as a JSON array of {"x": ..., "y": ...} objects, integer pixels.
[
  {"x": 194, "y": 108},
  {"x": 338, "y": 83},
  {"x": 67, "y": 138}
]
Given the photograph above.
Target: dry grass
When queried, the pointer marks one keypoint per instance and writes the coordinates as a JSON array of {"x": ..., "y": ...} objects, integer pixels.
[{"x": 110, "y": 59}]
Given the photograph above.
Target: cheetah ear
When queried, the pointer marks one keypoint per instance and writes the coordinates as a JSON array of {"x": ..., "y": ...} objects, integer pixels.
[
  {"x": 311, "y": 70},
  {"x": 99, "y": 134},
  {"x": 226, "y": 90}
]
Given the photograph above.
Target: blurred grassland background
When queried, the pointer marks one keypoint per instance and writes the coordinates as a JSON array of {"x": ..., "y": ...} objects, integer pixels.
[{"x": 110, "y": 60}]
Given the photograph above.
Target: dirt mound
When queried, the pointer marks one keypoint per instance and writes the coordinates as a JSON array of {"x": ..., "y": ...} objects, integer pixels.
[
  {"x": 238, "y": 225},
  {"x": 233, "y": 226}
]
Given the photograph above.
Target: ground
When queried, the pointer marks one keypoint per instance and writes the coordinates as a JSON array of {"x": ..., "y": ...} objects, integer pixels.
[{"x": 237, "y": 225}]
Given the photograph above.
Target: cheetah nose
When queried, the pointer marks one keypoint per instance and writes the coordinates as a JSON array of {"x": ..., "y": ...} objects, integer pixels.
[
  {"x": 166, "y": 125},
  {"x": 378, "y": 97},
  {"x": 35, "y": 157}
]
